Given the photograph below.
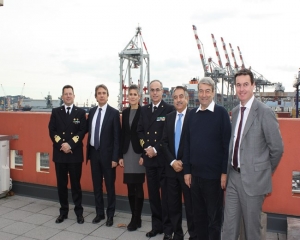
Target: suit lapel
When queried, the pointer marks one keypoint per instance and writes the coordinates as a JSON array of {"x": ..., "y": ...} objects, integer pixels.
[
  {"x": 72, "y": 116},
  {"x": 105, "y": 119},
  {"x": 234, "y": 117},
  {"x": 63, "y": 115},
  {"x": 250, "y": 119},
  {"x": 172, "y": 135},
  {"x": 136, "y": 117},
  {"x": 156, "y": 113}
]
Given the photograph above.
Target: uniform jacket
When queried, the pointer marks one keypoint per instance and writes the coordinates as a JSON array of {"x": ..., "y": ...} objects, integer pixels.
[
  {"x": 261, "y": 148},
  {"x": 130, "y": 133},
  {"x": 150, "y": 131},
  {"x": 70, "y": 129},
  {"x": 168, "y": 142},
  {"x": 109, "y": 135}
]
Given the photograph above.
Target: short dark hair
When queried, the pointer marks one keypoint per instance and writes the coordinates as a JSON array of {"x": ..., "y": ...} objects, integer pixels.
[
  {"x": 67, "y": 86},
  {"x": 183, "y": 88},
  {"x": 133, "y": 87},
  {"x": 244, "y": 72},
  {"x": 101, "y": 86}
]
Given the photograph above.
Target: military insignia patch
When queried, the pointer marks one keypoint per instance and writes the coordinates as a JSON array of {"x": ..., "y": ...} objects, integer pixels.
[
  {"x": 142, "y": 142},
  {"x": 76, "y": 121},
  {"x": 57, "y": 138},
  {"x": 75, "y": 138}
]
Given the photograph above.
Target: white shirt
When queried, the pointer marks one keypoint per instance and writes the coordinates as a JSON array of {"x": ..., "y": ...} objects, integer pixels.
[
  {"x": 155, "y": 106},
  {"x": 182, "y": 121},
  {"x": 71, "y": 107},
  {"x": 210, "y": 107},
  {"x": 94, "y": 123},
  {"x": 246, "y": 114}
]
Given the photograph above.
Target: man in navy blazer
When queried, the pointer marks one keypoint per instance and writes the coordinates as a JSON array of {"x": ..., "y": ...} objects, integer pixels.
[
  {"x": 150, "y": 130},
  {"x": 103, "y": 150},
  {"x": 67, "y": 129},
  {"x": 174, "y": 165}
]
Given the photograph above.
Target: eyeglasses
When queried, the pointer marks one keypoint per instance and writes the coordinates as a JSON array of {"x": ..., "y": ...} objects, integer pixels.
[{"x": 155, "y": 90}]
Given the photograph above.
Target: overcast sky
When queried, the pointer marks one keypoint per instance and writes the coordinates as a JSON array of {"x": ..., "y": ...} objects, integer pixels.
[{"x": 49, "y": 43}]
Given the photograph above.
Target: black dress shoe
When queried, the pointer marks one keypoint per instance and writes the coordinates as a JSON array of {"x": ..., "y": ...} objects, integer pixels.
[
  {"x": 80, "y": 219},
  {"x": 167, "y": 237},
  {"x": 153, "y": 233},
  {"x": 110, "y": 221},
  {"x": 61, "y": 218},
  {"x": 98, "y": 218}
]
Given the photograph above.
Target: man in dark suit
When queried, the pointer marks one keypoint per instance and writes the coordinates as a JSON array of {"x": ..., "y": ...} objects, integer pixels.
[
  {"x": 173, "y": 145},
  {"x": 255, "y": 150},
  {"x": 150, "y": 130},
  {"x": 67, "y": 128},
  {"x": 102, "y": 150}
]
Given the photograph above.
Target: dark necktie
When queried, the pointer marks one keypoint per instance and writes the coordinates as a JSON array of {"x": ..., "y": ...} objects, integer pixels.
[
  {"x": 237, "y": 141},
  {"x": 68, "y": 111},
  {"x": 154, "y": 108},
  {"x": 97, "y": 130},
  {"x": 178, "y": 133}
]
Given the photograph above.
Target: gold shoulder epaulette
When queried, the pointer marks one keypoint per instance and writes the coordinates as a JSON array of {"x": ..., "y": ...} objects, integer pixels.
[
  {"x": 142, "y": 142},
  {"x": 57, "y": 138},
  {"x": 75, "y": 138}
]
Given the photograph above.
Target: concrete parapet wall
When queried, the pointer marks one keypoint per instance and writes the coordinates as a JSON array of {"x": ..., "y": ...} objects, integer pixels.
[{"x": 32, "y": 129}]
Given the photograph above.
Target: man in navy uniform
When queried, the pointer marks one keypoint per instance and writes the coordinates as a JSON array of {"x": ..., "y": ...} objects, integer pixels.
[
  {"x": 150, "y": 130},
  {"x": 67, "y": 128}
]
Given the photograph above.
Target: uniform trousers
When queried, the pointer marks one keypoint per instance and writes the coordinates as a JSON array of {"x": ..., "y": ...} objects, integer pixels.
[
  {"x": 74, "y": 171},
  {"x": 156, "y": 181}
]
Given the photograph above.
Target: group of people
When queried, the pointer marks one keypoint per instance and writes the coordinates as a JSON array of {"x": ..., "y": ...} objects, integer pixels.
[{"x": 195, "y": 153}]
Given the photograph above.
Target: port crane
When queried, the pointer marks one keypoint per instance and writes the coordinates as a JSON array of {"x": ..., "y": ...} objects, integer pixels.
[
  {"x": 135, "y": 57},
  {"x": 226, "y": 73}
]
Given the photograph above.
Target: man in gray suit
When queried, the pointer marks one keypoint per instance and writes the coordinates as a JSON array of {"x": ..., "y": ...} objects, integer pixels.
[{"x": 255, "y": 150}]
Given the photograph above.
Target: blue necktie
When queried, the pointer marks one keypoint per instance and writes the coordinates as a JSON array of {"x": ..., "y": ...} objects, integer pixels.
[
  {"x": 97, "y": 130},
  {"x": 178, "y": 133}
]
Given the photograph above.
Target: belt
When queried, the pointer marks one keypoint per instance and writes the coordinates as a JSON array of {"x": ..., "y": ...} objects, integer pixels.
[{"x": 236, "y": 169}]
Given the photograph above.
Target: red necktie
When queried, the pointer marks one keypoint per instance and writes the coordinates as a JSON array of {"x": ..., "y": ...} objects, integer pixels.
[{"x": 237, "y": 141}]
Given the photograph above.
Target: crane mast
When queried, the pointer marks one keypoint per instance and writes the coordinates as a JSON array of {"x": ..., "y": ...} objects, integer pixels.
[
  {"x": 217, "y": 51},
  {"x": 236, "y": 67},
  {"x": 135, "y": 57},
  {"x": 201, "y": 53},
  {"x": 241, "y": 57}
]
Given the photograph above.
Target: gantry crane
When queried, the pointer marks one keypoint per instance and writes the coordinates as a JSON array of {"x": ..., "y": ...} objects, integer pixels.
[
  {"x": 133, "y": 53},
  {"x": 216, "y": 70}
]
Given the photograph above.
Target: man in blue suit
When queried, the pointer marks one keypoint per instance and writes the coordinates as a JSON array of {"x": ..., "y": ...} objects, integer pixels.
[{"x": 102, "y": 150}]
